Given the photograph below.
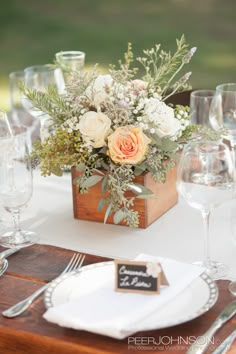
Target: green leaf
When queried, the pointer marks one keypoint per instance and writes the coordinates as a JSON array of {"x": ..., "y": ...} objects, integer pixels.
[
  {"x": 108, "y": 212},
  {"x": 104, "y": 184},
  {"x": 105, "y": 166},
  {"x": 76, "y": 181},
  {"x": 101, "y": 204},
  {"x": 98, "y": 171},
  {"x": 91, "y": 181},
  {"x": 156, "y": 140},
  {"x": 165, "y": 144},
  {"x": 169, "y": 145},
  {"x": 145, "y": 196},
  {"x": 119, "y": 216},
  {"x": 57, "y": 171},
  {"x": 139, "y": 169},
  {"x": 139, "y": 189},
  {"x": 80, "y": 167}
]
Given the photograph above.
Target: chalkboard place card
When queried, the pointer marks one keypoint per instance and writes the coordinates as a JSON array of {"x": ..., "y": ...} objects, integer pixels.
[{"x": 139, "y": 277}]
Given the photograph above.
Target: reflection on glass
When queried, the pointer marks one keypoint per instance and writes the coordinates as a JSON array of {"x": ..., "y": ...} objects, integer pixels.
[
  {"x": 70, "y": 61},
  {"x": 200, "y": 102},
  {"x": 16, "y": 185},
  {"x": 205, "y": 179}
]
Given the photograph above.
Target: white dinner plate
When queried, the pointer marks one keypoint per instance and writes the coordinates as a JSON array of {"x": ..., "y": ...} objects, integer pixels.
[{"x": 194, "y": 301}]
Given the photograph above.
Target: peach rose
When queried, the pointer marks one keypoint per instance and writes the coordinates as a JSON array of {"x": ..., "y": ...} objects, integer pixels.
[{"x": 128, "y": 145}]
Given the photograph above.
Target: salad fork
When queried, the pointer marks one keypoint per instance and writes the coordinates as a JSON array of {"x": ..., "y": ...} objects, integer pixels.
[{"x": 74, "y": 264}]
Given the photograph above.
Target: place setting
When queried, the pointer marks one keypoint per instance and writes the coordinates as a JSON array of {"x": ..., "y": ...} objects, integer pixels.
[
  {"x": 90, "y": 300},
  {"x": 130, "y": 156},
  {"x": 86, "y": 298}
]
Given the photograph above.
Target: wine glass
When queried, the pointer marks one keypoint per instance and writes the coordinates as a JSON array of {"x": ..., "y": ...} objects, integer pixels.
[
  {"x": 223, "y": 110},
  {"x": 5, "y": 126},
  {"x": 205, "y": 179},
  {"x": 70, "y": 61},
  {"x": 223, "y": 115},
  {"x": 5, "y": 130},
  {"x": 16, "y": 185},
  {"x": 200, "y": 102},
  {"x": 39, "y": 78},
  {"x": 18, "y": 114}
]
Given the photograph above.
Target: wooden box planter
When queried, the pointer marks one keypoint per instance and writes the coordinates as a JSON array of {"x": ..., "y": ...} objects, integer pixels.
[{"x": 85, "y": 205}]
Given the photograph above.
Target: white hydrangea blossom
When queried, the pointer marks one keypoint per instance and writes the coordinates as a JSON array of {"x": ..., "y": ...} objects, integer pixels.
[{"x": 160, "y": 119}]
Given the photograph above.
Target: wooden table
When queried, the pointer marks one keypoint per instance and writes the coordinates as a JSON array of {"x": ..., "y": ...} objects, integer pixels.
[{"x": 31, "y": 334}]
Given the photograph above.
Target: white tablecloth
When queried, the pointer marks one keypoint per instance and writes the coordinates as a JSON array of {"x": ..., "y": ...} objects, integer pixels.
[{"x": 177, "y": 234}]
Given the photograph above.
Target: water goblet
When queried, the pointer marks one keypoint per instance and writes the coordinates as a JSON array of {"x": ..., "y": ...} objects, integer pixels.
[
  {"x": 16, "y": 185},
  {"x": 18, "y": 114},
  {"x": 223, "y": 115},
  {"x": 223, "y": 110},
  {"x": 39, "y": 78},
  {"x": 5, "y": 126},
  {"x": 200, "y": 102},
  {"x": 70, "y": 61},
  {"x": 5, "y": 130},
  {"x": 205, "y": 179}
]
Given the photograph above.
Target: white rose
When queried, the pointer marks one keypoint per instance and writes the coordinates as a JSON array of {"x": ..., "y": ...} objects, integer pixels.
[
  {"x": 99, "y": 89},
  {"x": 161, "y": 117},
  {"x": 94, "y": 128}
]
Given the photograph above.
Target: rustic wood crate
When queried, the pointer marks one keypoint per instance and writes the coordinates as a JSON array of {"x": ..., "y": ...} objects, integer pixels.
[{"x": 85, "y": 205}]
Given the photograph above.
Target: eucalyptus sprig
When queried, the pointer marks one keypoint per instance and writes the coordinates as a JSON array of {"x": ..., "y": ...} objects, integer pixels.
[{"x": 114, "y": 127}]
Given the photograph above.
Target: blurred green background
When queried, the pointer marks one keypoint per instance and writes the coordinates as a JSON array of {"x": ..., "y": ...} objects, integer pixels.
[{"x": 32, "y": 31}]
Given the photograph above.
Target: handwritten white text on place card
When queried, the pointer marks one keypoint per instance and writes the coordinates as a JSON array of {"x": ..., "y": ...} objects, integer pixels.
[{"x": 139, "y": 277}]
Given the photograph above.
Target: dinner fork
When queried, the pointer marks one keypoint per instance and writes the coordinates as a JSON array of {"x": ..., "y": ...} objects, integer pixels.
[{"x": 74, "y": 264}]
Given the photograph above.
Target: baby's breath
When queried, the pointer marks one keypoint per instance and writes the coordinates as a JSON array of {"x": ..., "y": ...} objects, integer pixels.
[{"x": 94, "y": 107}]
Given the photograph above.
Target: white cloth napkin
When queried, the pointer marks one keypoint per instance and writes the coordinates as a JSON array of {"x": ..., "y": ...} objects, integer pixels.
[{"x": 118, "y": 315}]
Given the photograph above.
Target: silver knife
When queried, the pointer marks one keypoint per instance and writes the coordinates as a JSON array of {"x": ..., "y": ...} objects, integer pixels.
[
  {"x": 203, "y": 341},
  {"x": 225, "y": 346}
]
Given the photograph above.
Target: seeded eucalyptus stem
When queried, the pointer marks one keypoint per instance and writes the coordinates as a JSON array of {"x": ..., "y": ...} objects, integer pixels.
[{"x": 115, "y": 122}]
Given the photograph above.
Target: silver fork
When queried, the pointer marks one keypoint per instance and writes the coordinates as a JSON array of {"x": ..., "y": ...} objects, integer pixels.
[{"x": 17, "y": 309}]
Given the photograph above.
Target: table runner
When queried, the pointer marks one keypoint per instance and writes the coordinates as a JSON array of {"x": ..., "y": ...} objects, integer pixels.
[{"x": 31, "y": 334}]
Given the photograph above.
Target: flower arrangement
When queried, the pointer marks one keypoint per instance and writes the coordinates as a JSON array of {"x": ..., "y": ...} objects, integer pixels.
[{"x": 114, "y": 127}]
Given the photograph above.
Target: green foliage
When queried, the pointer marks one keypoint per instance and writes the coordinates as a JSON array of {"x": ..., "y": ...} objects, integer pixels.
[
  {"x": 117, "y": 101},
  {"x": 162, "y": 67},
  {"x": 49, "y": 102},
  {"x": 60, "y": 150}
]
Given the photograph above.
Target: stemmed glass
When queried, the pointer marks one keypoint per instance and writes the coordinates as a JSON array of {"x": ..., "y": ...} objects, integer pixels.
[
  {"x": 200, "y": 102},
  {"x": 39, "y": 78},
  {"x": 223, "y": 115},
  {"x": 223, "y": 110},
  {"x": 70, "y": 61},
  {"x": 5, "y": 130},
  {"x": 205, "y": 179},
  {"x": 16, "y": 185},
  {"x": 18, "y": 114}
]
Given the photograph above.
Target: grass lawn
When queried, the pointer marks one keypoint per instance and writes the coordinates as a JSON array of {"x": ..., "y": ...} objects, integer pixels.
[{"x": 33, "y": 31}]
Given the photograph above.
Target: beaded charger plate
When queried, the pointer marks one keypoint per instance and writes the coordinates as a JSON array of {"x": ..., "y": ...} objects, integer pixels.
[{"x": 195, "y": 300}]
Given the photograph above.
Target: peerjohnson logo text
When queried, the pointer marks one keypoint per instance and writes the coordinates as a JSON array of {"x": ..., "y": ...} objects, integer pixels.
[{"x": 166, "y": 342}]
